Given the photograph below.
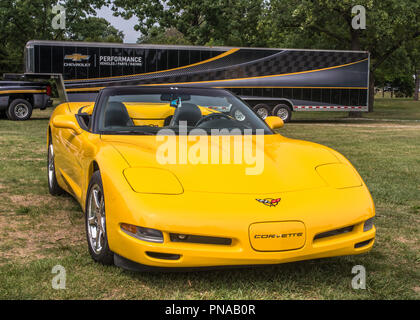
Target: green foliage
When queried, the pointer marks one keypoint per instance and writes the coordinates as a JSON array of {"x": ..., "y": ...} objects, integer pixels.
[
  {"x": 158, "y": 35},
  {"x": 391, "y": 36},
  {"x": 320, "y": 24},
  {"x": 24, "y": 20},
  {"x": 95, "y": 29},
  {"x": 404, "y": 85},
  {"x": 220, "y": 22},
  {"x": 397, "y": 71}
]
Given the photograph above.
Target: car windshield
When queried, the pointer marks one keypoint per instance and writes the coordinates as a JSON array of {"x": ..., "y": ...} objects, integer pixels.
[{"x": 146, "y": 113}]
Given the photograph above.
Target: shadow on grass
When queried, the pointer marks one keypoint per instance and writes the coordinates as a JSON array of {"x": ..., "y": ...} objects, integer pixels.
[{"x": 327, "y": 271}]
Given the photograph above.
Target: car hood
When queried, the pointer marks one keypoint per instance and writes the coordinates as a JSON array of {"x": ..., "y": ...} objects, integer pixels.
[{"x": 288, "y": 165}]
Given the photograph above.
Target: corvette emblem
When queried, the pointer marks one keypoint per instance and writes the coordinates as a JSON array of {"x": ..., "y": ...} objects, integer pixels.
[{"x": 269, "y": 202}]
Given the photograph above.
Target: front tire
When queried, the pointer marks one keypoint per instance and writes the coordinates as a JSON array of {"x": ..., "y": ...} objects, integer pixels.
[
  {"x": 95, "y": 222},
  {"x": 19, "y": 110},
  {"x": 53, "y": 186}
]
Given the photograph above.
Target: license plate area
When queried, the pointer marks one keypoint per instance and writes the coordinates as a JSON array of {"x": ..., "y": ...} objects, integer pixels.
[{"x": 277, "y": 236}]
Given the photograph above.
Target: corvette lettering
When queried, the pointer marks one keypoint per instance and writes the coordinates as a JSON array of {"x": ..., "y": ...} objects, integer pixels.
[{"x": 274, "y": 236}]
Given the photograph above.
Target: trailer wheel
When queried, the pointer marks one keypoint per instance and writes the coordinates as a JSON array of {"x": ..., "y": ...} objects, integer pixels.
[
  {"x": 283, "y": 111},
  {"x": 262, "y": 110},
  {"x": 19, "y": 110}
]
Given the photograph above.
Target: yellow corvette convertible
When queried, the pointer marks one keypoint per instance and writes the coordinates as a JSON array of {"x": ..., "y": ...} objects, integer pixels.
[{"x": 191, "y": 177}]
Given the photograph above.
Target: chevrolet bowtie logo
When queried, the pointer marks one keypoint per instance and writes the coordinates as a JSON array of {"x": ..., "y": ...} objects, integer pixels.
[{"x": 76, "y": 57}]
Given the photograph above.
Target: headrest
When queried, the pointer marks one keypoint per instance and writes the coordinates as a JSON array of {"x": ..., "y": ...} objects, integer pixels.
[
  {"x": 116, "y": 115},
  {"x": 187, "y": 112}
]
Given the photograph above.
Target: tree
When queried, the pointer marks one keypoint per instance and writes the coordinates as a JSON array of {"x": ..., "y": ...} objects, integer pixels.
[
  {"x": 212, "y": 22},
  {"x": 397, "y": 71},
  {"x": 158, "y": 35},
  {"x": 94, "y": 29},
  {"x": 390, "y": 24},
  {"x": 413, "y": 49},
  {"x": 24, "y": 20},
  {"x": 321, "y": 24}
]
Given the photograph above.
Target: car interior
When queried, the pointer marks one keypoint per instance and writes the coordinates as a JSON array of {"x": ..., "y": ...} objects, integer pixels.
[{"x": 134, "y": 114}]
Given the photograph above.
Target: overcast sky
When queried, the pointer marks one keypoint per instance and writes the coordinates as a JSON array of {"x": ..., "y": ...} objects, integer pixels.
[{"x": 126, "y": 26}]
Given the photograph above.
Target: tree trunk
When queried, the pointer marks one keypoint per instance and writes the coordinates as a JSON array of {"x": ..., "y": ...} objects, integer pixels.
[{"x": 417, "y": 86}]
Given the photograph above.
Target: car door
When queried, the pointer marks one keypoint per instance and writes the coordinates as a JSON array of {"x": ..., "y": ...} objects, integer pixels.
[{"x": 68, "y": 158}]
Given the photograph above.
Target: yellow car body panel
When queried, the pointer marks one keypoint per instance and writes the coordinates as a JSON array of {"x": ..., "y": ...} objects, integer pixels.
[{"x": 316, "y": 188}]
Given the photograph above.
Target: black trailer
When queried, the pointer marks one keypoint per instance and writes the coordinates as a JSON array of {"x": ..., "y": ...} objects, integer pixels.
[{"x": 272, "y": 81}]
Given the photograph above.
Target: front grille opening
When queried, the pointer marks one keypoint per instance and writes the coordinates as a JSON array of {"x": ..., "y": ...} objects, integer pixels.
[
  {"x": 362, "y": 244},
  {"x": 333, "y": 232},
  {"x": 177, "y": 237},
  {"x": 163, "y": 256}
]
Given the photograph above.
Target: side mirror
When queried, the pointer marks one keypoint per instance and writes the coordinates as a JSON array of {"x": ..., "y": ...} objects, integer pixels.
[
  {"x": 67, "y": 122},
  {"x": 88, "y": 110},
  {"x": 274, "y": 122}
]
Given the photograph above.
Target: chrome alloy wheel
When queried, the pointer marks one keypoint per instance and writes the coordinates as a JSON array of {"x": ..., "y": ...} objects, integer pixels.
[
  {"x": 21, "y": 110},
  {"x": 282, "y": 113},
  {"x": 96, "y": 219},
  {"x": 51, "y": 167},
  {"x": 262, "y": 112}
]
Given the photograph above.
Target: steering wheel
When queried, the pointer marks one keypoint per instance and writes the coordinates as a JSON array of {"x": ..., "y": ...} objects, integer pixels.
[{"x": 213, "y": 116}]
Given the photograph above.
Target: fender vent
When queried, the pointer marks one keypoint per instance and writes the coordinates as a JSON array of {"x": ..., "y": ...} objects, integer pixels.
[
  {"x": 362, "y": 244},
  {"x": 333, "y": 232},
  {"x": 176, "y": 237},
  {"x": 163, "y": 256}
]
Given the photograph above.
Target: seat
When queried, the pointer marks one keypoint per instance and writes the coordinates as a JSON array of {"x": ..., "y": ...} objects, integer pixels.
[
  {"x": 116, "y": 115},
  {"x": 188, "y": 112}
]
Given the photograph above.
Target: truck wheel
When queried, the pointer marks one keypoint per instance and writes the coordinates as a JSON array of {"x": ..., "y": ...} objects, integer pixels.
[
  {"x": 19, "y": 110},
  {"x": 262, "y": 110},
  {"x": 283, "y": 111}
]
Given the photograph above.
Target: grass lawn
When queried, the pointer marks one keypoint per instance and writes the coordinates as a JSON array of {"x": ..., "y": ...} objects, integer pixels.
[{"x": 38, "y": 231}]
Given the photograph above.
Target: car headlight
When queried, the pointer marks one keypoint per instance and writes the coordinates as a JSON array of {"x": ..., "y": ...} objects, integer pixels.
[
  {"x": 145, "y": 234},
  {"x": 153, "y": 180},
  {"x": 339, "y": 175},
  {"x": 368, "y": 225}
]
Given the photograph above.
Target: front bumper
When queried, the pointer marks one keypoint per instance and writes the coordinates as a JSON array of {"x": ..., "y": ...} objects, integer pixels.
[
  {"x": 230, "y": 216},
  {"x": 202, "y": 256}
]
